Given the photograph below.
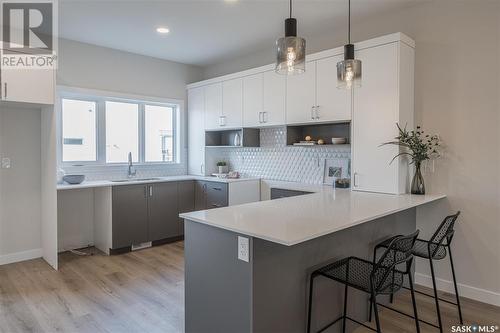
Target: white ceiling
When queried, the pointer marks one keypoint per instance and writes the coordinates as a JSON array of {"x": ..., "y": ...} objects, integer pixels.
[{"x": 204, "y": 32}]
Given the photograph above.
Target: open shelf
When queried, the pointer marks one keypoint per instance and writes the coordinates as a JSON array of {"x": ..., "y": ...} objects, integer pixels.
[
  {"x": 249, "y": 137},
  {"x": 297, "y": 133}
]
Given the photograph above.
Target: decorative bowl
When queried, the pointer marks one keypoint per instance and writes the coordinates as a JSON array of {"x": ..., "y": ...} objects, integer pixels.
[
  {"x": 74, "y": 179},
  {"x": 339, "y": 141}
]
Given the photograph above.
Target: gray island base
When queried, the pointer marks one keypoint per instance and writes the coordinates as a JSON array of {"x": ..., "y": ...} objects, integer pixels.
[{"x": 269, "y": 293}]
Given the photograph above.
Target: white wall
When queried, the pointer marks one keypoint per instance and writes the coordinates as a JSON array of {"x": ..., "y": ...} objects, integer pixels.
[
  {"x": 94, "y": 67},
  {"x": 20, "y": 186},
  {"x": 456, "y": 95}
]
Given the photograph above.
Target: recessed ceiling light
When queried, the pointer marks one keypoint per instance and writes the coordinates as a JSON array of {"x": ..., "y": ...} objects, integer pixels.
[{"x": 162, "y": 30}]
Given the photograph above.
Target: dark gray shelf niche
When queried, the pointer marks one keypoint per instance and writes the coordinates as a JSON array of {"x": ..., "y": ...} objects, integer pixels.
[
  {"x": 297, "y": 133},
  {"x": 250, "y": 137}
]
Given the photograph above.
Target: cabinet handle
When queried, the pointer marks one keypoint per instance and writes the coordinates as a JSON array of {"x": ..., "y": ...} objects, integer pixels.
[
  {"x": 355, "y": 180},
  {"x": 151, "y": 191},
  {"x": 201, "y": 168},
  {"x": 222, "y": 121},
  {"x": 145, "y": 192},
  {"x": 216, "y": 188},
  {"x": 5, "y": 90},
  {"x": 260, "y": 117},
  {"x": 317, "y": 111},
  {"x": 264, "y": 120},
  {"x": 216, "y": 205},
  {"x": 312, "y": 112}
]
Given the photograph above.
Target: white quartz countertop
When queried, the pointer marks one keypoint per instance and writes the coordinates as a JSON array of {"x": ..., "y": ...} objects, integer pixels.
[
  {"x": 105, "y": 183},
  {"x": 293, "y": 220}
]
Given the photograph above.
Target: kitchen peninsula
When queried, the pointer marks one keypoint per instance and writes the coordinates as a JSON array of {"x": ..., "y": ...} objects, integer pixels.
[{"x": 247, "y": 266}]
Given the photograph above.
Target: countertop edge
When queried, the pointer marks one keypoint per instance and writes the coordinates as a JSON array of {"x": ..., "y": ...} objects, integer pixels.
[
  {"x": 109, "y": 183},
  {"x": 189, "y": 216}
]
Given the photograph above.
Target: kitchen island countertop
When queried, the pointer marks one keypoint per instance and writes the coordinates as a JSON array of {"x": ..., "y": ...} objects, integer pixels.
[{"x": 293, "y": 220}]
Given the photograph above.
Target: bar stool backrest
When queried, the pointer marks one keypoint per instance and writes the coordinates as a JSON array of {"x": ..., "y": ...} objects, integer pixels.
[
  {"x": 398, "y": 252},
  {"x": 445, "y": 231}
]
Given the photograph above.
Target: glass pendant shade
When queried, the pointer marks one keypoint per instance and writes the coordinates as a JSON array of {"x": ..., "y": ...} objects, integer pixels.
[
  {"x": 349, "y": 74},
  {"x": 290, "y": 55},
  {"x": 349, "y": 70}
]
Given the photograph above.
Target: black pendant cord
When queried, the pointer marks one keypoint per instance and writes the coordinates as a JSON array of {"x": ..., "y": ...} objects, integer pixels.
[
  {"x": 291, "y": 8},
  {"x": 348, "y": 24}
]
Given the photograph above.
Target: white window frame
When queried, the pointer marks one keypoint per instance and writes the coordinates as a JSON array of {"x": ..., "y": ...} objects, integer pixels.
[{"x": 100, "y": 97}]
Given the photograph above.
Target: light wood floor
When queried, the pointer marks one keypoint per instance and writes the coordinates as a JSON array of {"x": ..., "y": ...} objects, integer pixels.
[{"x": 140, "y": 292}]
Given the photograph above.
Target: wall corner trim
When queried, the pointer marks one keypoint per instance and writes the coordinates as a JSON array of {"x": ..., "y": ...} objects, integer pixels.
[
  {"x": 477, "y": 294},
  {"x": 20, "y": 256}
]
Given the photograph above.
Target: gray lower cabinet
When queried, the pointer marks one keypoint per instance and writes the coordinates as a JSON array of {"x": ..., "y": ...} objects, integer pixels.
[
  {"x": 163, "y": 212},
  {"x": 130, "y": 211},
  {"x": 211, "y": 195},
  {"x": 149, "y": 212},
  {"x": 277, "y": 193},
  {"x": 185, "y": 200}
]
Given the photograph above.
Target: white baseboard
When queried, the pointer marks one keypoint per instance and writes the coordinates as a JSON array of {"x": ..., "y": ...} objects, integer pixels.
[
  {"x": 478, "y": 294},
  {"x": 20, "y": 256}
]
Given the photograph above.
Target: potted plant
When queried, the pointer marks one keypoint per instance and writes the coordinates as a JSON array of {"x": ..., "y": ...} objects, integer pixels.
[
  {"x": 223, "y": 168},
  {"x": 419, "y": 147}
]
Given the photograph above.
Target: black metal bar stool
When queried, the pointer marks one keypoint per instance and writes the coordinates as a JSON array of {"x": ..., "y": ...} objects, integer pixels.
[
  {"x": 433, "y": 249},
  {"x": 383, "y": 277}
]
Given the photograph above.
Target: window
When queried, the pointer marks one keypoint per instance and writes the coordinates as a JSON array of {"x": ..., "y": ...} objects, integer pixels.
[
  {"x": 122, "y": 132},
  {"x": 100, "y": 130},
  {"x": 159, "y": 133},
  {"x": 79, "y": 141}
]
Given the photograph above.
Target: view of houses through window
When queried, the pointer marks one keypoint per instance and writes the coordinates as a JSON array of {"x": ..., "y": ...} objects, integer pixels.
[{"x": 105, "y": 131}]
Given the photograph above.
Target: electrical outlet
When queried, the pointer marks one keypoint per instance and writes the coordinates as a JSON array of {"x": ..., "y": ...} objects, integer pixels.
[
  {"x": 5, "y": 163},
  {"x": 243, "y": 248}
]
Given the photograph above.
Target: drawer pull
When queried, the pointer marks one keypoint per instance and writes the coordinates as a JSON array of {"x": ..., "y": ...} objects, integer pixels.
[
  {"x": 216, "y": 188},
  {"x": 216, "y": 205}
]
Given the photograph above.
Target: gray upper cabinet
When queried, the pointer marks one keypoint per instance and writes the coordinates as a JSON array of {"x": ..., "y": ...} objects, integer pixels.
[
  {"x": 130, "y": 211},
  {"x": 163, "y": 213},
  {"x": 185, "y": 201}
]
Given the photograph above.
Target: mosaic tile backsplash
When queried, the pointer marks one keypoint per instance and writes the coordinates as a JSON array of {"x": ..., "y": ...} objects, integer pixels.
[{"x": 274, "y": 160}]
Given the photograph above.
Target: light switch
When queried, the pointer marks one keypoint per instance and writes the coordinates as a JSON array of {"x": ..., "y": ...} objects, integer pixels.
[
  {"x": 243, "y": 248},
  {"x": 5, "y": 163}
]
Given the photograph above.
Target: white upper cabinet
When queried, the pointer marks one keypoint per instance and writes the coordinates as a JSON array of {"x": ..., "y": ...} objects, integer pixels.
[
  {"x": 196, "y": 131},
  {"x": 301, "y": 96},
  {"x": 28, "y": 85},
  {"x": 264, "y": 99},
  {"x": 232, "y": 103},
  {"x": 384, "y": 99},
  {"x": 213, "y": 106},
  {"x": 253, "y": 100},
  {"x": 274, "y": 99},
  {"x": 332, "y": 104}
]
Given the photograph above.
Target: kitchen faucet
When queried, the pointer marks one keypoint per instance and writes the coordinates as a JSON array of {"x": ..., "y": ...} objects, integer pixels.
[{"x": 131, "y": 170}]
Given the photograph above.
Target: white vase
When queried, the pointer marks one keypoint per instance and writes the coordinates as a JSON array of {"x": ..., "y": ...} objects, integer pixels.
[{"x": 223, "y": 169}]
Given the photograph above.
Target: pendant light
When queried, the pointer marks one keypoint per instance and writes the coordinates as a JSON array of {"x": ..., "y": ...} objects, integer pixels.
[
  {"x": 349, "y": 70},
  {"x": 290, "y": 50}
]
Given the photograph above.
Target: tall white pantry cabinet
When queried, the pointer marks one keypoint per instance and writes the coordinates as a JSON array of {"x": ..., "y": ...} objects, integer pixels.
[{"x": 385, "y": 98}]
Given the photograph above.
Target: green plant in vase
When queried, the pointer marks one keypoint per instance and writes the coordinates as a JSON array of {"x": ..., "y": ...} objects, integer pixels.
[
  {"x": 223, "y": 168},
  {"x": 419, "y": 147}
]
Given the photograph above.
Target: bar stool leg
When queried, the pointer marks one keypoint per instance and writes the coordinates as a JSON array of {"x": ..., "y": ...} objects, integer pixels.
[
  {"x": 456, "y": 289},
  {"x": 436, "y": 299},
  {"x": 345, "y": 309},
  {"x": 309, "y": 309},
  {"x": 375, "y": 310},
  {"x": 417, "y": 324}
]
